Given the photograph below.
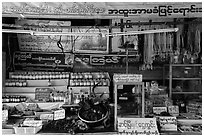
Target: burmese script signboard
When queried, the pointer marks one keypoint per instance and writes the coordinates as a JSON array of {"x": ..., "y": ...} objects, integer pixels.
[
  {"x": 103, "y": 9},
  {"x": 104, "y": 60},
  {"x": 127, "y": 78},
  {"x": 137, "y": 126},
  {"x": 49, "y": 60}
]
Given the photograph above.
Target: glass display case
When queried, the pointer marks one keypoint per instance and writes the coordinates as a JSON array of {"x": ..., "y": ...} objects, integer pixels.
[{"x": 128, "y": 97}]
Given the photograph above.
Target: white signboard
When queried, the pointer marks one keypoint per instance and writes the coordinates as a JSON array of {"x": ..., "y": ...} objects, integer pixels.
[
  {"x": 47, "y": 116},
  {"x": 127, "y": 77},
  {"x": 168, "y": 123},
  {"x": 32, "y": 123},
  {"x": 137, "y": 126},
  {"x": 158, "y": 110},
  {"x": 59, "y": 114}
]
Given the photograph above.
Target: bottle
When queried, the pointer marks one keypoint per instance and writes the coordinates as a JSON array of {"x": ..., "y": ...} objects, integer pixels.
[
  {"x": 70, "y": 96},
  {"x": 66, "y": 98},
  {"x": 49, "y": 82}
]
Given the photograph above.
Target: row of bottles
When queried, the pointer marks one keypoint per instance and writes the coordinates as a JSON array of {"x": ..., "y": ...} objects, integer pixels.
[
  {"x": 89, "y": 75},
  {"x": 57, "y": 96},
  {"x": 13, "y": 99},
  {"x": 39, "y": 75},
  {"x": 15, "y": 83},
  {"x": 87, "y": 82}
]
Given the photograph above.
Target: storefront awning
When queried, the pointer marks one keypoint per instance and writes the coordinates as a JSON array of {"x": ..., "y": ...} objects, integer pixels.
[{"x": 101, "y": 10}]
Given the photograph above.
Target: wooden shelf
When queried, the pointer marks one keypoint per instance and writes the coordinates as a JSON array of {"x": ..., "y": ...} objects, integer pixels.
[
  {"x": 183, "y": 65},
  {"x": 42, "y": 105},
  {"x": 186, "y": 78},
  {"x": 186, "y": 93}
]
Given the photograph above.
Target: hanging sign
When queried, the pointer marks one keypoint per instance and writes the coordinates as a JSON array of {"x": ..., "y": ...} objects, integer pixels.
[
  {"x": 127, "y": 77},
  {"x": 137, "y": 126},
  {"x": 103, "y": 9},
  {"x": 44, "y": 43},
  {"x": 168, "y": 123}
]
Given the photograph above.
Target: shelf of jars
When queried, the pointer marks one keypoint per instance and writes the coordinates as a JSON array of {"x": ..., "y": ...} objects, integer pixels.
[
  {"x": 26, "y": 84},
  {"x": 85, "y": 83}
]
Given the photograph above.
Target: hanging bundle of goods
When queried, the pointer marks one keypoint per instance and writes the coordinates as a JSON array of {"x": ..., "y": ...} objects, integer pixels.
[{"x": 158, "y": 47}]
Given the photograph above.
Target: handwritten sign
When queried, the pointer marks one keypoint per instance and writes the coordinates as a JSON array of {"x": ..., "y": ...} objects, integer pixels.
[
  {"x": 137, "y": 126},
  {"x": 158, "y": 110},
  {"x": 59, "y": 114},
  {"x": 173, "y": 110},
  {"x": 127, "y": 77},
  {"x": 45, "y": 43},
  {"x": 168, "y": 123}
]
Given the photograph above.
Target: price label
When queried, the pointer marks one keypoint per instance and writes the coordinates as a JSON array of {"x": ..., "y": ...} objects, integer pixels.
[
  {"x": 32, "y": 123},
  {"x": 173, "y": 110},
  {"x": 168, "y": 123},
  {"x": 158, "y": 110},
  {"x": 47, "y": 116},
  {"x": 59, "y": 114}
]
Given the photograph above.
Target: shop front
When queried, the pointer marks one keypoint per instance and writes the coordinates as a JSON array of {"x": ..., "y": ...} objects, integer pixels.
[{"x": 102, "y": 68}]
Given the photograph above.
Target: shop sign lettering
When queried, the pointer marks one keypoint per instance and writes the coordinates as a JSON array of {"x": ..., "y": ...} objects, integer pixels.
[
  {"x": 137, "y": 126},
  {"x": 159, "y": 10},
  {"x": 158, "y": 110},
  {"x": 127, "y": 77},
  {"x": 53, "y": 59},
  {"x": 168, "y": 123},
  {"x": 53, "y": 8},
  {"x": 102, "y": 60},
  {"x": 105, "y": 10}
]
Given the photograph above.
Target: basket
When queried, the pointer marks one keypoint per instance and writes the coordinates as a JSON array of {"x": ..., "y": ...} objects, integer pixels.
[{"x": 27, "y": 130}]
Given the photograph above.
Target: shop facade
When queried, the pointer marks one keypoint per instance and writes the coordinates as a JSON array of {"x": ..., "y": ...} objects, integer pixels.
[{"x": 102, "y": 68}]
